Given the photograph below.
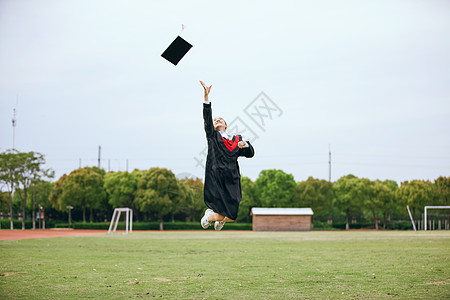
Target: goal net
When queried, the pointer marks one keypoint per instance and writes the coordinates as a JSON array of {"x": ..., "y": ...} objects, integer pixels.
[
  {"x": 438, "y": 219},
  {"x": 116, "y": 217}
]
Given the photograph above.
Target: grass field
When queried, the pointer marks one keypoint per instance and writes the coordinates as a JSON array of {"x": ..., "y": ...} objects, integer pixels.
[{"x": 229, "y": 265}]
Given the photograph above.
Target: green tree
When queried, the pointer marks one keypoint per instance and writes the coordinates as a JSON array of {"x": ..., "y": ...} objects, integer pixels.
[
  {"x": 3, "y": 201},
  {"x": 416, "y": 194},
  {"x": 9, "y": 175},
  {"x": 98, "y": 170},
  {"x": 248, "y": 201},
  {"x": 378, "y": 198},
  {"x": 348, "y": 195},
  {"x": 26, "y": 170},
  {"x": 100, "y": 203},
  {"x": 83, "y": 188},
  {"x": 442, "y": 191},
  {"x": 316, "y": 194},
  {"x": 56, "y": 193},
  {"x": 121, "y": 188},
  {"x": 158, "y": 192},
  {"x": 390, "y": 203},
  {"x": 192, "y": 202},
  {"x": 274, "y": 188},
  {"x": 138, "y": 173},
  {"x": 30, "y": 173},
  {"x": 39, "y": 193}
]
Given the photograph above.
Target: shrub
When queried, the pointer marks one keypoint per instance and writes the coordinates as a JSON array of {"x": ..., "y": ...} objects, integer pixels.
[
  {"x": 153, "y": 226},
  {"x": 17, "y": 224}
]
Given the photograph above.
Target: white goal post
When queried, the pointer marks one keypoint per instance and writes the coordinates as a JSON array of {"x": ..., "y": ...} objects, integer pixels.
[
  {"x": 432, "y": 207},
  {"x": 116, "y": 217},
  {"x": 412, "y": 220}
]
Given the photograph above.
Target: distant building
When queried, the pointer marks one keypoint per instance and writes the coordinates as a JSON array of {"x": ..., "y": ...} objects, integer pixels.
[{"x": 282, "y": 219}]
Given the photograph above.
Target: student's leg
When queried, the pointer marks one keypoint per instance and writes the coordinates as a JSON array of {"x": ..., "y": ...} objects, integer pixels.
[
  {"x": 218, "y": 225},
  {"x": 217, "y": 217}
]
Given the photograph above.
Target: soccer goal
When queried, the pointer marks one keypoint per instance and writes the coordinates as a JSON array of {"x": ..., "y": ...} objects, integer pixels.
[
  {"x": 116, "y": 217},
  {"x": 446, "y": 225}
]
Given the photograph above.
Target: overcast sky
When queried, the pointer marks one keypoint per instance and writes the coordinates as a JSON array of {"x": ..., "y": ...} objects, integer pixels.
[{"x": 369, "y": 78}]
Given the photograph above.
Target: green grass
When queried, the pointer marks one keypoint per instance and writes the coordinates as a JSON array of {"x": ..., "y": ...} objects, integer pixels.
[{"x": 229, "y": 265}]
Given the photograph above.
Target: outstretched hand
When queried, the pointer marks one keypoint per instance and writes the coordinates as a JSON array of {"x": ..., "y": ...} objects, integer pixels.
[{"x": 207, "y": 89}]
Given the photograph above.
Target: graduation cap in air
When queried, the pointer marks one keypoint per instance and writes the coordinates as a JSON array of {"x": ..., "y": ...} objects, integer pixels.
[{"x": 175, "y": 52}]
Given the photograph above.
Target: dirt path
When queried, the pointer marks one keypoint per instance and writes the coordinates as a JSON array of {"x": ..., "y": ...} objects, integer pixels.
[{"x": 46, "y": 233}]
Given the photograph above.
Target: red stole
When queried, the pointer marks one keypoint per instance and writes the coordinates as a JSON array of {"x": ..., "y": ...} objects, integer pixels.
[{"x": 230, "y": 144}]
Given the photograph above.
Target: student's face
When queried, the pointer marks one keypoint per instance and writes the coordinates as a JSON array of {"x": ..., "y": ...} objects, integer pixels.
[{"x": 219, "y": 123}]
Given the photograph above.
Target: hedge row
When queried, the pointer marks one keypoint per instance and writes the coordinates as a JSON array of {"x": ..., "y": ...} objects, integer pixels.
[
  {"x": 230, "y": 226},
  {"x": 397, "y": 225},
  {"x": 17, "y": 224},
  {"x": 5, "y": 224},
  {"x": 154, "y": 226},
  {"x": 405, "y": 225}
]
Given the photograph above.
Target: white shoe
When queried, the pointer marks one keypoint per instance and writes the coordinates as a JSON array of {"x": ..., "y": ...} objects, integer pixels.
[
  {"x": 205, "y": 223},
  {"x": 219, "y": 225}
]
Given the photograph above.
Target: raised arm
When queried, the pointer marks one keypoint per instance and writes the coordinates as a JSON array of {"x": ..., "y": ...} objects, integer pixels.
[
  {"x": 207, "y": 90},
  {"x": 207, "y": 112}
]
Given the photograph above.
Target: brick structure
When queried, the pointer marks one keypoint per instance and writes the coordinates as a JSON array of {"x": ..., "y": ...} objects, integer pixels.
[{"x": 282, "y": 219}]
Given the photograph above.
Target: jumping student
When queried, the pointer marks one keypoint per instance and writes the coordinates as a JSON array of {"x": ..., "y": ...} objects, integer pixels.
[{"x": 222, "y": 190}]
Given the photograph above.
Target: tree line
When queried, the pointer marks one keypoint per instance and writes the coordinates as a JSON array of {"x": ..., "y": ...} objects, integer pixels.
[
  {"x": 157, "y": 194},
  {"x": 347, "y": 198}
]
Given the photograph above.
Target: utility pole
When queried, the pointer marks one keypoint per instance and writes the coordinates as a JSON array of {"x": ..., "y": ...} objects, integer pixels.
[
  {"x": 329, "y": 163},
  {"x": 14, "y": 123},
  {"x": 99, "y": 155}
]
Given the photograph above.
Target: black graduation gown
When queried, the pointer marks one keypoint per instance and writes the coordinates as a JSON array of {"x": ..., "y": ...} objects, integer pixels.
[{"x": 222, "y": 190}]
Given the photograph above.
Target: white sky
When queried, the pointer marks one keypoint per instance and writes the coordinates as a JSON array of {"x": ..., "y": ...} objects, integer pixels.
[{"x": 371, "y": 78}]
